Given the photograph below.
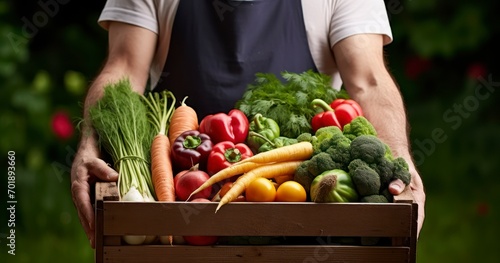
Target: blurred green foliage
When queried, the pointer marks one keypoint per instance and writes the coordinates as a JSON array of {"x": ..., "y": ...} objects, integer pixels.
[{"x": 443, "y": 56}]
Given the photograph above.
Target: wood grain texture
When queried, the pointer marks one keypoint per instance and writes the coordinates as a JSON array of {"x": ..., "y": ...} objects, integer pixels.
[
  {"x": 288, "y": 254},
  {"x": 257, "y": 219}
]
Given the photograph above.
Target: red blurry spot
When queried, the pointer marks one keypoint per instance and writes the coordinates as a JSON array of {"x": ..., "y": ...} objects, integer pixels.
[
  {"x": 476, "y": 70},
  {"x": 482, "y": 209},
  {"x": 62, "y": 126}
]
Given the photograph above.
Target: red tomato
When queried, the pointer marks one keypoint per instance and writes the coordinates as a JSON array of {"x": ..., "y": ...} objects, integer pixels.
[
  {"x": 291, "y": 191},
  {"x": 260, "y": 190}
]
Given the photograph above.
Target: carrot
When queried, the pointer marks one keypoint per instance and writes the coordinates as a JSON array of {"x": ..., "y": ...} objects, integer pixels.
[
  {"x": 183, "y": 119},
  {"x": 294, "y": 152},
  {"x": 226, "y": 173},
  {"x": 161, "y": 169},
  {"x": 162, "y": 174},
  {"x": 283, "y": 178},
  {"x": 266, "y": 171}
]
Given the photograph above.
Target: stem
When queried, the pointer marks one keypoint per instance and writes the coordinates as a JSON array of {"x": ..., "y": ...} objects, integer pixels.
[
  {"x": 232, "y": 155},
  {"x": 327, "y": 184},
  {"x": 256, "y": 120},
  {"x": 256, "y": 134},
  {"x": 191, "y": 142},
  {"x": 322, "y": 104}
]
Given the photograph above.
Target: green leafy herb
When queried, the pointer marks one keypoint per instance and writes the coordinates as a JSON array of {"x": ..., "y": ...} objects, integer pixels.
[
  {"x": 121, "y": 122},
  {"x": 288, "y": 102}
]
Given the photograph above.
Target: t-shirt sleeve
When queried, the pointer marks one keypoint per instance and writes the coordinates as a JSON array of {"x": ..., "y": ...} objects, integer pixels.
[
  {"x": 359, "y": 17},
  {"x": 140, "y": 13}
]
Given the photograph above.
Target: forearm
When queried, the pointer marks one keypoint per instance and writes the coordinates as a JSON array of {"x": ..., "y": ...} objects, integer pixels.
[{"x": 383, "y": 106}]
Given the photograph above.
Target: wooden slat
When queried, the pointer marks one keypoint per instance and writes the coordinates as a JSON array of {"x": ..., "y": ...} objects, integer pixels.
[
  {"x": 99, "y": 231},
  {"x": 405, "y": 197},
  {"x": 107, "y": 191},
  {"x": 254, "y": 219},
  {"x": 327, "y": 253}
]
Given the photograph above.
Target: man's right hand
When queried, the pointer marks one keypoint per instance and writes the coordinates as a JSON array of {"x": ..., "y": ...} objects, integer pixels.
[{"x": 86, "y": 170}]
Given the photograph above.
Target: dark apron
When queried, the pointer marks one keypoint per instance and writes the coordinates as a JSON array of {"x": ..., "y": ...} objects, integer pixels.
[{"x": 217, "y": 47}]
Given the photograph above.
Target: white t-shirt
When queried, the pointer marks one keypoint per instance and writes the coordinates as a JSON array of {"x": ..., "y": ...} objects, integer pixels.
[{"x": 326, "y": 22}]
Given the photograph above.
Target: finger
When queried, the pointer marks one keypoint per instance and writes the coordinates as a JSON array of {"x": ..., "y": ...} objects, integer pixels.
[
  {"x": 102, "y": 170},
  {"x": 396, "y": 187},
  {"x": 81, "y": 199}
]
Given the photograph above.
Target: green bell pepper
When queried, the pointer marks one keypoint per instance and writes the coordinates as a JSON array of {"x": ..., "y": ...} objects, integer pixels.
[
  {"x": 333, "y": 186},
  {"x": 261, "y": 130}
]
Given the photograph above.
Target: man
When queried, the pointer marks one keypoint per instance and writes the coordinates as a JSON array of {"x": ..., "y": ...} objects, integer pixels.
[{"x": 210, "y": 51}]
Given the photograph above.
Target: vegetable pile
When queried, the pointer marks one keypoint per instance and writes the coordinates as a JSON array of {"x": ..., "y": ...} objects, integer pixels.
[
  {"x": 288, "y": 103},
  {"x": 293, "y": 141}
]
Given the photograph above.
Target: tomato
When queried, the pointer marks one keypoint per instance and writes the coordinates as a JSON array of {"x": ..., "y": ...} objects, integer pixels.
[
  {"x": 260, "y": 190},
  {"x": 291, "y": 191}
]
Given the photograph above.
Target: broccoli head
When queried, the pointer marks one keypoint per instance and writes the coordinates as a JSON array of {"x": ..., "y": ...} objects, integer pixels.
[
  {"x": 368, "y": 148},
  {"x": 303, "y": 176},
  {"x": 401, "y": 170},
  {"x": 384, "y": 168},
  {"x": 305, "y": 137},
  {"x": 323, "y": 134},
  {"x": 366, "y": 180},
  {"x": 357, "y": 127},
  {"x": 321, "y": 162}
]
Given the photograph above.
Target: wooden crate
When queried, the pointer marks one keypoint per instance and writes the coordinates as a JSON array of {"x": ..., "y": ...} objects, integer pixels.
[{"x": 396, "y": 222}]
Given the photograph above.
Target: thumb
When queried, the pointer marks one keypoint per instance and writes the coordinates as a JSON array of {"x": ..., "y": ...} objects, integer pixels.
[
  {"x": 396, "y": 187},
  {"x": 102, "y": 170}
]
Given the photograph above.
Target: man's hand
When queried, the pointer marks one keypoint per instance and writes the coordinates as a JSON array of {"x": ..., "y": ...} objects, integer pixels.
[
  {"x": 87, "y": 169},
  {"x": 396, "y": 187}
]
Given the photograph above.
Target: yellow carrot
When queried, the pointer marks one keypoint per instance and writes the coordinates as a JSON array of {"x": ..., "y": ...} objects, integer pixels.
[
  {"x": 226, "y": 173},
  {"x": 283, "y": 178},
  {"x": 266, "y": 171},
  {"x": 295, "y": 152}
]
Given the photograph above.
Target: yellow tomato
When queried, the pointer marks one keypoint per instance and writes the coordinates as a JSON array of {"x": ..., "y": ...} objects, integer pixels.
[
  {"x": 291, "y": 191},
  {"x": 260, "y": 190}
]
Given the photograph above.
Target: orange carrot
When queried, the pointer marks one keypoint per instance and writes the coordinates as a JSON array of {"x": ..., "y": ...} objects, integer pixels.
[
  {"x": 183, "y": 119},
  {"x": 162, "y": 175},
  {"x": 266, "y": 171},
  {"x": 226, "y": 173},
  {"x": 161, "y": 169}
]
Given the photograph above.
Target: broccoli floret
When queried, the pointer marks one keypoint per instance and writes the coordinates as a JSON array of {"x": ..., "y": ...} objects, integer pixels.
[
  {"x": 368, "y": 148},
  {"x": 385, "y": 192},
  {"x": 305, "y": 137},
  {"x": 401, "y": 170},
  {"x": 384, "y": 168},
  {"x": 303, "y": 176},
  {"x": 388, "y": 153},
  {"x": 322, "y": 162},
  {"x": 357, "y": 127},
  {"x": 366, "y": 180},
  {"x": 374, "y": 199},
  {"x": 323, "y": 134}
]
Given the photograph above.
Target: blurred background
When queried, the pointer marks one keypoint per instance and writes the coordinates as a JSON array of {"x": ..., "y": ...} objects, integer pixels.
[{"x": 444, "y": 57}]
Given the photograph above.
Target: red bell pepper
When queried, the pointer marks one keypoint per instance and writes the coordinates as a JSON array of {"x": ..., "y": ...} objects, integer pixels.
[
  {"x": 339, "y": 113},
  {"x": 325, "y": 118},
  {"x": 222, "y": 127},
  {"x": 225, "y": 154},
  {"x": 346, "y": 110}
]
